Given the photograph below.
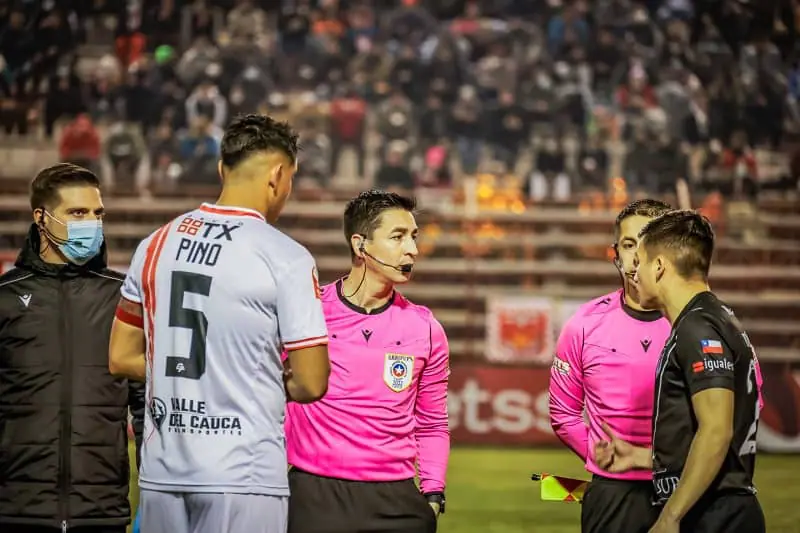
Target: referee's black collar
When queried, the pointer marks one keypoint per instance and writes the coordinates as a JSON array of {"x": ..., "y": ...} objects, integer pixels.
[
  {"x": 636, "y": 314},
  {"x": 358, "y": 308}
]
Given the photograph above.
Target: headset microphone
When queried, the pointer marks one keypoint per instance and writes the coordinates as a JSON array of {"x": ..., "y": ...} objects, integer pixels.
[{"x": 406, "y": 269}]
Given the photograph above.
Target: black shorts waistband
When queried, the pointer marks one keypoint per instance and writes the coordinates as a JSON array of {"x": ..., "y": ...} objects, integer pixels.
[
  {"x": 387, "y": 482},
  {"x": 597, "y": 478}
]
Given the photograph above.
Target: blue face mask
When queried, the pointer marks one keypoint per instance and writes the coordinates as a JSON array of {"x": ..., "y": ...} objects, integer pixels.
[{"x": 84, "y": 239}]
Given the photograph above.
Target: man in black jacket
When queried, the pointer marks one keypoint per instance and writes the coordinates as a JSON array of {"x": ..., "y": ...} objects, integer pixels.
[{"x": 63, "y": 418}]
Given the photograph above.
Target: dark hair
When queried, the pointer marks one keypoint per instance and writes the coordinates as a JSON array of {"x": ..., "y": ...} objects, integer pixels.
[
  {"x": 250, "y": 134},
  {"x": 647, "y": 207},
  {"x": 687, "y": 236},
  {"x": 46, "y": 186},
  {"x": 362, "y": 216}
]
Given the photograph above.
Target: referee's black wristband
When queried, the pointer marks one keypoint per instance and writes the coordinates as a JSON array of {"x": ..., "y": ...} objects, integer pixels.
[{"x": 436, "y": 497}]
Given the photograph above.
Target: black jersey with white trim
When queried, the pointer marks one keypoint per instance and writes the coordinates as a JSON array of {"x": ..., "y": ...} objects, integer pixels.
[{"x": 708, "y": 349}]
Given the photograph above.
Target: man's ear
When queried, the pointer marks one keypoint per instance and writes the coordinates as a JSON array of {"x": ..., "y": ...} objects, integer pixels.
[
  {"x": 219, "y": 170},
  {"x": 357, "y": 245},
  {"x": 38, "y": 216},
  {"x": 277, "y": 174},
  {"x": 661, "y": 266}
]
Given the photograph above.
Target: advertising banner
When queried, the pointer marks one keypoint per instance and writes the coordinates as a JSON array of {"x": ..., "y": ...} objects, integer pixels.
[
  {"x": 508, "y": 405},
  {"x": 520, "y": 330}
]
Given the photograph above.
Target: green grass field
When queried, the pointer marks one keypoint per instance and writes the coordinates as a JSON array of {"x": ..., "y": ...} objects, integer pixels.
[{"x": 489, "y": 491}]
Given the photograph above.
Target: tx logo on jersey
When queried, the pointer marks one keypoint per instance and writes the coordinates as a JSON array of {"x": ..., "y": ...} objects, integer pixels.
[
  {"x": 645, "y": 344},
  {"x": 193, "y": 226}
]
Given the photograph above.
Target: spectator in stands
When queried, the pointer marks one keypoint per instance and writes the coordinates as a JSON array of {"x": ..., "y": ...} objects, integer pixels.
[
  {"x": 509, "y": 129},
  {"x": 294, "y": 26},
  {"x": 164, "y": 150},
  {"x": 604, "y": 55},
  {"x": 468, "y": 119},
  {"x": 195, "y": 60},
  {"x": 636, "y": 95},
  {"x": 125, "y": 161},
  {"x": 568, "y": 28},
  {"x": 17, "y": 107},
  {"x": 130, "y": 42},
  {"x": 80, "y": 143},
  {"x": 251, "y": 87},
  {"x": 207, "y": 100},
  {"x": 394, "y": 120},
  {"x": 436, "y": 169},
  {"x": 738, "y": 164},
  {"x": 199, "y": 149},
  {"x": 17, "y": 42},
  {"x": 593, "y": 164},
  {"x": 539, "y": 96},
  {"x": 370, "y": 68},
  {"x": 142, "y": 103},
  {"x": 549, "y": 178},
  {"x": 348, "y": 125},
  {"x": 64, "y": 99},
  {"x": 163, "y": 21},
  {"x": 433, "y": 123},
  {"x": 316, "y": 155},
  {"x": 247, "y": 24},
  {"x": 394, "y": 174}
]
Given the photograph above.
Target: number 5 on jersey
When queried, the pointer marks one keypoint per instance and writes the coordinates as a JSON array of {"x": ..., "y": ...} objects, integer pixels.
[{"x": 183, "y": 283}]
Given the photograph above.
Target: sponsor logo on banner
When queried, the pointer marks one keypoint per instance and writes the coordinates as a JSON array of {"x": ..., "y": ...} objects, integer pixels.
[
  {"x": 502, "y": 405},
  {"x": 519, "y": 330},
  {"x": 499, "y": 405},
  {"x": 398, "y": 370}
]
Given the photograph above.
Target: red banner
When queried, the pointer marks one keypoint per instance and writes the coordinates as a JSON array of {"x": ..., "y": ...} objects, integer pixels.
[{"x": 501, "y": 405}]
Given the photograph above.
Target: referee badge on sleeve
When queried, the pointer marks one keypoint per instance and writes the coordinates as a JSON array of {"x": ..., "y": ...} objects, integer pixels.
[{"x": 398, "y": 371}]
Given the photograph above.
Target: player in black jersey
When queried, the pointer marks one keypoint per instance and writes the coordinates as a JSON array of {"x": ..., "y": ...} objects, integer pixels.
[{"x": 708, "y": 390}]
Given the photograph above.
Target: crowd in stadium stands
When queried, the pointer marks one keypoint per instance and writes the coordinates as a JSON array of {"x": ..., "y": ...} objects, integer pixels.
[{"x": 556, "y": 95}]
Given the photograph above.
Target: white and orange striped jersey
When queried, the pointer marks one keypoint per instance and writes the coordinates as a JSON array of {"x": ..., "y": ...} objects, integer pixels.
[{"x": 223, "y": 294}]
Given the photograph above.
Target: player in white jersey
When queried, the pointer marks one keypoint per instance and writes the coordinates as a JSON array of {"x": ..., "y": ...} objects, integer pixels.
[{"x": 210, "y": 301}]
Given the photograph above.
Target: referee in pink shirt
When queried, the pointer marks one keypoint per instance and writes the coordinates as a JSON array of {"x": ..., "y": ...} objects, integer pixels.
[{"x": 354, "y": 454}]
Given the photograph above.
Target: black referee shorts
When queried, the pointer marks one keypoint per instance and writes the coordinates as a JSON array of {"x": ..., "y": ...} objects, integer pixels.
[
  {"x": 725, "y": 513},
  {"x": 618, "y": 506},
  {"x": 327, "y": 505}
]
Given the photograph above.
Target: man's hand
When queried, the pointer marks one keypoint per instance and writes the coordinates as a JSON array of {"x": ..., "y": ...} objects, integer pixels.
[
  {"x": 603, "y": 454},
  {"x": 626, "y": 456},
  {"x": 665, "y": 525}
]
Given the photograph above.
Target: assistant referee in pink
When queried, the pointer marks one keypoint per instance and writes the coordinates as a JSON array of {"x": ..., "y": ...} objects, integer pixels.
[{"x": 354, "y": 454}]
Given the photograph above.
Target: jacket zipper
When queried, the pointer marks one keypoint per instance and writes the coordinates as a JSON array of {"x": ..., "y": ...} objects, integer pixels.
[{"x": 65, "y": 440}]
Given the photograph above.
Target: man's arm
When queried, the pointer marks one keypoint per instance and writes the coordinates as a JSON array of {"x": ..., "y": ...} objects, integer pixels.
[
  {"x": 301, "y": 322},
  {"x": 307, "y": 377},
  {"x": 707, "y": 365},
  {"x": 126, "y": 350},
  {"x": 432, "y": 432},
  {"x": 567, "y": 392},
  {"x": 136, "y": 405}
]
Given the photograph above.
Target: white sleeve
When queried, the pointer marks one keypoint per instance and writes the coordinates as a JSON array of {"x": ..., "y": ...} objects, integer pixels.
[
  {"x": 301, "y": 321},
  {"x": 132, "y": 287}
]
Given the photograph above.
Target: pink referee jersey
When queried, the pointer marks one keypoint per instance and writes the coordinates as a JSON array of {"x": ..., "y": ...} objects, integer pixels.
[
  {"x": 386, "y": 405},
  {"x": 606, "y": 363}
]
